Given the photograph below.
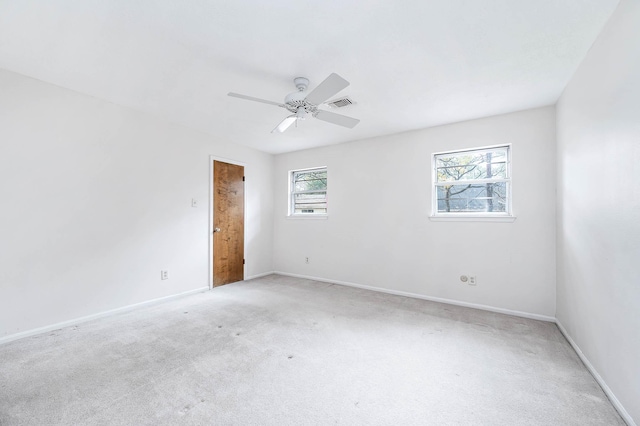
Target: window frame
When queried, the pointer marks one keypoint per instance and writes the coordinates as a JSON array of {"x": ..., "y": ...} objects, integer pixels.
[
  {"x": 292, "y": 193},
  {"x": 506, "y": 216}
]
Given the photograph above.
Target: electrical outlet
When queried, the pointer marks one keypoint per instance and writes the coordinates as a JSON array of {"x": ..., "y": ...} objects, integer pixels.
[
  {"x": 306, "y": 260},
  {"x": 464, "y": 278},
  {"x": 164, "y": 275},
  {"x": 472, "y": 280}
]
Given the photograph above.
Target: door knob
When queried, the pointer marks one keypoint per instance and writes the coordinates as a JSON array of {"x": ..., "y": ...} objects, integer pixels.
[{"x": 216, "y": 229}]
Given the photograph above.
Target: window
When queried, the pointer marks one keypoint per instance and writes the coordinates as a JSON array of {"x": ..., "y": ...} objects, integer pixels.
[
  {"x": 473, "y": 182},
  {"x": 308, "y": 192}
]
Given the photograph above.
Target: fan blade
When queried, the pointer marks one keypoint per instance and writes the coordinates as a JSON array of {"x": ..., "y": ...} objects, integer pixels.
[
  {"x": 284, "y": 124},
  {"x": 340, "y": 120},
  {"x": 329, "y": 87},
  {"x": 251, "y": 98}
]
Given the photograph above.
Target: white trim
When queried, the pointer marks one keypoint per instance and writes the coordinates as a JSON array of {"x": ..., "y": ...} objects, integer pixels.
[
  {"x": 264, "y": 274},
  {"x": 306, "y": 169},
  {"x": 430, "y": 298},
  {"x": 76, "y": 321},
  {"x": 308, "y": 216},
  {"x": 472, "y": 181},
  {"x": 607, "y": 390},
  {"x": 213, "y": 158},
  {"x": 463, "y": 218},
  {"x": 484, "y": 148}
]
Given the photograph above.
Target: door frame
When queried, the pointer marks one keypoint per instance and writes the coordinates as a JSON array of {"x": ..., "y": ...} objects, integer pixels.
[{"x": 213, "y": 158}]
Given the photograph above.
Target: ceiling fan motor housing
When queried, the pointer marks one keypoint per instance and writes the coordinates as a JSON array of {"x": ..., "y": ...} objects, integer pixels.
[{"x": 294, "y": 101}]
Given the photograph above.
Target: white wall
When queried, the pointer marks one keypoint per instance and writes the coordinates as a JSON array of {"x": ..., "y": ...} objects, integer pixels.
[
  {"x": 599, "y": 206},
  {"x": 379, "y": 234},
  {"x": 96, "y": 200}
]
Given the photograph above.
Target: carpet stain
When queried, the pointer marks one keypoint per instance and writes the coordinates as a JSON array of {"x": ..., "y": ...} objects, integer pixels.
[
  {"x": 290, "y": 356},
  {"x": 190, "y": 407}
]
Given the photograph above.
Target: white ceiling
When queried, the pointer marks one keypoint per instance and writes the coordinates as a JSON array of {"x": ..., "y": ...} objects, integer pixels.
[{"x": 411, "y": 64}]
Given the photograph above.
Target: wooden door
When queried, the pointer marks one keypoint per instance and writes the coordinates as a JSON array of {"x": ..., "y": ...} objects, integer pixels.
[{"x": 228, "y": 223}]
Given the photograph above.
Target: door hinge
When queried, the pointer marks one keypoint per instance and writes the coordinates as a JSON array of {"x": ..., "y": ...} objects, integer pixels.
[
  {"x": 243, "y": 178},
  {"x": 243, "y": 261}
]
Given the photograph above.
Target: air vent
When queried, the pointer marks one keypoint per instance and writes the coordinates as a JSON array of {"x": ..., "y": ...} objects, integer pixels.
[{"x": 339, "y": 103}]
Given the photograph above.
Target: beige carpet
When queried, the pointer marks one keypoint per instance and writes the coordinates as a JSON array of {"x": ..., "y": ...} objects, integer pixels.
[{"x": 286, "y": 351}]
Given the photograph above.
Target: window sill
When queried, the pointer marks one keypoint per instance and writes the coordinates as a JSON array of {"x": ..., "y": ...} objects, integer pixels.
[
  {"x": 472, "y": 218},
  {"x": 308, "y": 217}
]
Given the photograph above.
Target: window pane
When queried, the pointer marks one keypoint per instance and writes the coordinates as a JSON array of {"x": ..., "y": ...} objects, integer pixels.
[
  {"x": 488, "y": 197},
  {"x": 456, "y": 172},
  {"x": 310, "y": 203},
  {"x": 310, "y": 180},
  {"x": 472, "y": 165}
]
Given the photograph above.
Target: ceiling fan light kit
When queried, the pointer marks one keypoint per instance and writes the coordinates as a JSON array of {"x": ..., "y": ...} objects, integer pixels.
[
  {"x": 284, "y": 124},
  {"x": 302, "y": 104}
]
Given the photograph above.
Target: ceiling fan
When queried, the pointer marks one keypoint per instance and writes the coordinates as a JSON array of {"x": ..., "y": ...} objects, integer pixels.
[{"x": 303, "y": 104}]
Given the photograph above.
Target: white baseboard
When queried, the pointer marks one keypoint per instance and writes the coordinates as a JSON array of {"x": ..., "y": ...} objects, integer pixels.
[
  {"x": 76, "y": 321},
  {"x": 432, "y": 299},
  {"x": 264, "y": 274},
  {"x": 616, "y": 403}
]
